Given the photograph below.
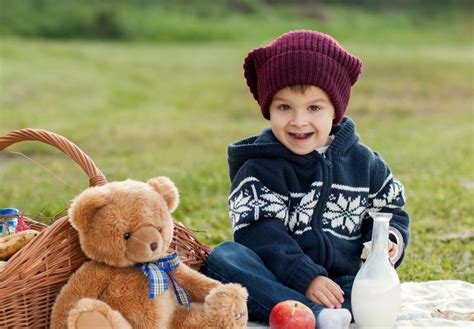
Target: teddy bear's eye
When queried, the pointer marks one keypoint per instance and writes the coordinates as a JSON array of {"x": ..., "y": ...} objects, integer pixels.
[
  {"x": 159, "y": 229},
  {"x": 126, "y": 236}
]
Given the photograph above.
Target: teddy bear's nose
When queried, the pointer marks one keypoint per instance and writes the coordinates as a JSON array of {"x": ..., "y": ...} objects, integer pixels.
[{"x": 153, "y": 246}]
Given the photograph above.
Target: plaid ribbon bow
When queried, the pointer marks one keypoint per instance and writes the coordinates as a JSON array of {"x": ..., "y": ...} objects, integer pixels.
[{"x": 156, "y": 272}]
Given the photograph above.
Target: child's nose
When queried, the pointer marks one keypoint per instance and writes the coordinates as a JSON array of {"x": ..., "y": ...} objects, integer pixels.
[{"x": 299, "y": 119}]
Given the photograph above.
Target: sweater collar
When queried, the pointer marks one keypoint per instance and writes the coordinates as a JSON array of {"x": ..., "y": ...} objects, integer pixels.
[
  {"x": 344, "y": 137},
  {"x": 266, "y": 145}
]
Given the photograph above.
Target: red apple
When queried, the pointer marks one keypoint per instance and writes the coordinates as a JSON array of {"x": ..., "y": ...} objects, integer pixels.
[{"x": 292, "y": 314}]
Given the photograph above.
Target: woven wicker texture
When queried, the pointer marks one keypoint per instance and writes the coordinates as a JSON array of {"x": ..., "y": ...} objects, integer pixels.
[{"x": 32, "y": 278}]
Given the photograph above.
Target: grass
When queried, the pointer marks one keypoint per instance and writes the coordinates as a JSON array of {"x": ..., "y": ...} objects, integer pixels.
[{"x": 143, "y": 109}]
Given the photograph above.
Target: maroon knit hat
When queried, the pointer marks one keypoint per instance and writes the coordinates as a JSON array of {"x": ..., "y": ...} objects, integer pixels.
[{"x": 302, "y": 57}]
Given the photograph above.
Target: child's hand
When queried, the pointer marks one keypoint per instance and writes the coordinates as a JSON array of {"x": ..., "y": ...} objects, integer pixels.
[
  {"x": 325, "y": 291},
  {"x": 392, "y": 249}
]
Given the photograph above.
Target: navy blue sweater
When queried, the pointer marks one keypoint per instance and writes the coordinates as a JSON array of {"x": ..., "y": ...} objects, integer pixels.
[{"x": 307, "y": 215}]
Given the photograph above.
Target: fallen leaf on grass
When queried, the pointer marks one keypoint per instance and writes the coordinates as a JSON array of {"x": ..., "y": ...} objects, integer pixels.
[{"x": 453, "y": 315}]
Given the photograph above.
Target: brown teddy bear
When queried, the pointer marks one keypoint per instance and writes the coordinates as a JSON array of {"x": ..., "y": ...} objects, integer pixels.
[{"x": 125, "y": 228}]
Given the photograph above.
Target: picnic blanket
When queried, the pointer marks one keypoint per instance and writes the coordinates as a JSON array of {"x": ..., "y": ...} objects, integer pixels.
[{"x": 430, "y": 304}]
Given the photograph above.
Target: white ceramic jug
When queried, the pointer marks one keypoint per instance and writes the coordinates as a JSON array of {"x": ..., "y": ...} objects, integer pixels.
[{"x": 376, "y": 291}]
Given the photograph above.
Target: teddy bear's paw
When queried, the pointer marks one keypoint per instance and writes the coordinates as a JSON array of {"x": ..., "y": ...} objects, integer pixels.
[
  {"x": 92, "y": 319},
  {"x": 92, "y": 313},
  {"x": 226, "y": 306}
]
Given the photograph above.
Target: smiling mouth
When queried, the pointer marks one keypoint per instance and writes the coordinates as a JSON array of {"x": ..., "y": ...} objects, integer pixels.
[{"x": 300, "y": 137}]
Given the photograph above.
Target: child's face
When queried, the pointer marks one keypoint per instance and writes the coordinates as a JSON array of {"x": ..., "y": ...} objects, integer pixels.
[{"x": 302, "y": 121}]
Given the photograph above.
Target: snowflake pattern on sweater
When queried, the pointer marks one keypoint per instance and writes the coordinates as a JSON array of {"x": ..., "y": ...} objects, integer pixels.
[
  {"x": 343, "y": 212},
  {"x": 251, "y": 200}
]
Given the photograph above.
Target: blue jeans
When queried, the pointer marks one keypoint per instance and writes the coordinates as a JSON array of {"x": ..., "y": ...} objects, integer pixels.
[{"x": 233, "y": 262}]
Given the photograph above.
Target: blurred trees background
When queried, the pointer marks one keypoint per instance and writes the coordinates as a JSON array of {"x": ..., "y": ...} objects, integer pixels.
[{"x": 203, "y": 20}]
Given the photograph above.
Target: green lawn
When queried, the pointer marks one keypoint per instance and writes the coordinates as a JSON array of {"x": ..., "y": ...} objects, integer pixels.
[{"x": 142, "y": 109}]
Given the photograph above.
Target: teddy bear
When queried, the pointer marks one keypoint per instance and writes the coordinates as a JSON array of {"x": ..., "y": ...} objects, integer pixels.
[{"x": 131, "y": 281}]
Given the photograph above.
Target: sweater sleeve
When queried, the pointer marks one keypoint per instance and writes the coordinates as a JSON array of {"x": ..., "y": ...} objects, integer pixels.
[
  {"x": 259, "y": 217},
  {"x": 388, "y": 195}
]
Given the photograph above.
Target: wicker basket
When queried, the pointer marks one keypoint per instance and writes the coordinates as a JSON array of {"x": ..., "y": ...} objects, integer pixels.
[{"x": 32, "y": 278}]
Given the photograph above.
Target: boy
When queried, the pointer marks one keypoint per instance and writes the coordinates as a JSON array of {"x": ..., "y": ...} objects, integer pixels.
[{"x": 302, "y": 189}]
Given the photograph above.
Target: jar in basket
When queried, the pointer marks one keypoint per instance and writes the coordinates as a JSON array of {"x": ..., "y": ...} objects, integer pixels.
[{"x": 8, "y": 221}]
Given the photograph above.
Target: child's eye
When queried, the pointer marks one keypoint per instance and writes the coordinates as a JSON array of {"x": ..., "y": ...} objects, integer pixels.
[
  {"x": 284, "y": 107},
  {"x": 314, "y": 108}
]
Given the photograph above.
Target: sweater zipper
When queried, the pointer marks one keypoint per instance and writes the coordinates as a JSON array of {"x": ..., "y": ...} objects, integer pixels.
[{"x": 327, "y": 173}]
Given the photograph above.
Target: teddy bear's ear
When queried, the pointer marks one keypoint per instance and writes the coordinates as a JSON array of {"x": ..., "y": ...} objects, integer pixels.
[
  {"x": 167, "y": 189},
  {"x": 85, "y": 206}
]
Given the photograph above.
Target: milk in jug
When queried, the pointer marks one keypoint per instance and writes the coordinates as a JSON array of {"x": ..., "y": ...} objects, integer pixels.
[{"x": 376, "y": 290}]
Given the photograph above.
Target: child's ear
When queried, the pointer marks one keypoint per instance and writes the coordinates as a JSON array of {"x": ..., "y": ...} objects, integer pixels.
[
  {"x": 84, "y": 207},
  {"x": 167, "y": 189}
]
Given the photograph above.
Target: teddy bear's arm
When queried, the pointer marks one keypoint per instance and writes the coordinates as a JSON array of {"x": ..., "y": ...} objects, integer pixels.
[
  {"x": 197, "y": 284},
  {"x": 87, "y": 282}
]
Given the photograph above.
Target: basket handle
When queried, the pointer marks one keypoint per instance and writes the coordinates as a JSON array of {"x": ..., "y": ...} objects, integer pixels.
[{"x": 96, "y": 177}]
